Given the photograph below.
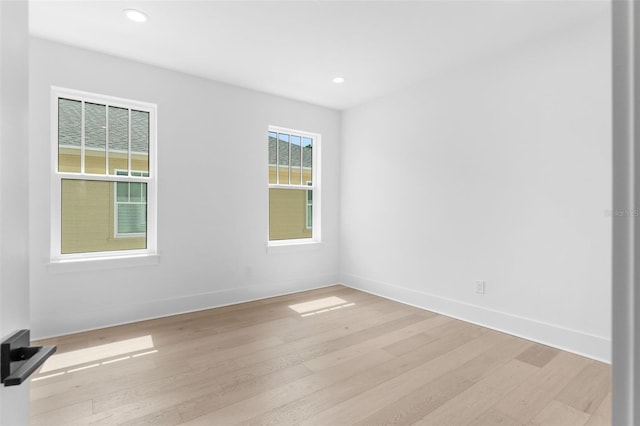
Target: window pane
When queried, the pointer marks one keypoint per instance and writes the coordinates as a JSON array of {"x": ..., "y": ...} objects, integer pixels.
[
  {"x": 288, "y": 214},
  {"x": 307, "y": 159},
  {"x": 69, "y": 135},
  {"x": 118, "y": 141},
  {"x": 309, "y": 209},
  {"x": 122, "y": 193},
  {"x": 273, "y": 152},
  {"x": 296, "y": 160},
  {"x": 89, "y": 220},
  {"x": 283, "y": 158},
  {"x": 132, "y": 218},
  {"x": 95, "y": 138},
  {"x": 139, "y": 141},
  {"x": 135, "y": 191}
]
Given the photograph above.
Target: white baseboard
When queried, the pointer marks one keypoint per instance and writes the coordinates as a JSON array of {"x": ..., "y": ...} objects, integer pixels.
[
  {"x": 79, "y": 321},
  {"x": 595, "y": 347}
]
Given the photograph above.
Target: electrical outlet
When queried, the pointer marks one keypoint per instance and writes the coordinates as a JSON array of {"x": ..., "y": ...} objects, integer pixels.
[{"x": 480, "y": 287}]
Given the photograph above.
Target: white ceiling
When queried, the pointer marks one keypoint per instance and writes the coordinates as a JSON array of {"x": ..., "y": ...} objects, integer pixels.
[{"x": 295, "y": 48}]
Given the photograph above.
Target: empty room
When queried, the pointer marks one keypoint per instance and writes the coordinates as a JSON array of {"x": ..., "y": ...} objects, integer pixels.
[{"x": 316, "y": 212}]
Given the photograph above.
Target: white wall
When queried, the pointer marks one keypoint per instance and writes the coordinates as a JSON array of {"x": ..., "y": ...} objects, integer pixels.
[
  {"x": 14, "y": 201},
  {"x": 212, "y": 208},
  {"x": 499, "y": 171}
]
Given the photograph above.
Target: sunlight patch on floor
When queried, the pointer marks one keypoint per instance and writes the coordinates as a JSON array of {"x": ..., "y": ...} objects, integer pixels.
[
  {"x": 97, "y": 353},
  {"x": 319, "y": 306}
]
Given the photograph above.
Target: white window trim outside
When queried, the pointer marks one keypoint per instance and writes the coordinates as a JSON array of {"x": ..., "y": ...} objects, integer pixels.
[
  {"x": 57, "y": 177},
  {"x": 316, "y": 232}
]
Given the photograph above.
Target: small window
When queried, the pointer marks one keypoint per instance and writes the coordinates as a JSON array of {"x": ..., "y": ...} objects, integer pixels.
[
  {"x": 293, "y": 180},
  {"x": 103, "y": 176},
  {"x": 130, "y": 207},
  {"x": 309, "y": 208}
]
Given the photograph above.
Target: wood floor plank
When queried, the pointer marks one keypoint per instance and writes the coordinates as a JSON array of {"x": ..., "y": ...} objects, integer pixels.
[
  {"x": 98, "y": 380},
  {"x": 157, "y": 399},
  {"x": 418, "y": 402},
  {"x": 69, "y": 414},
  {"x": 332, "y": 383},
  {"x": 380, "y": 340},
  {"x": 479, "y": 398},
  {"x": 193, "y": 404},
  {"x": 558, "y": 413},
  {"x": 371, "y": 362},
  {"x": 350, "y": 384},
  {"x": 538, "y": 355},
  {"x": 351, "y": 330},
  {"x": 485, "y": 363},
  {"x": 587, "y": 389},
  {"x": 408, "y": 344},
  {"x": 285, "y": 359},
  {"x": 494, "y": 417},
  {"x": 154, "y": 388},
  {"x": 602, "y": 415},
  {"x": 281, "y": 396},
  {"x": 379, "y": 390},
  {"x": 531, "y": 396}
]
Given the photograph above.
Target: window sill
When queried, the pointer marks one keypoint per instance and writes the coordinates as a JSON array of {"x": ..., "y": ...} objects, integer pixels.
[
  {"x": 293, "y": 246},
  {"x": 98, "y": 263}
]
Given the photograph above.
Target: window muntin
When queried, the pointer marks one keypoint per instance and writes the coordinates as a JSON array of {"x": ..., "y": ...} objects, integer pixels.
[
  {"x": 103, "y": 178},
  {"x": 292, "y": 184}
]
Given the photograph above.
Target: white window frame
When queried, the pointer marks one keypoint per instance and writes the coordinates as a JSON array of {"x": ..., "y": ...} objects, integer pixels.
[
  {"x": 56, "y": 176},
  {"x": 315, "y": 187}
]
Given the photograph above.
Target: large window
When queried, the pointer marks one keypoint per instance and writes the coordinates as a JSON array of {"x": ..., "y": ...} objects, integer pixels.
[
  {"x": 103, "y": 176},
  {"x": 293, "y": 186}
]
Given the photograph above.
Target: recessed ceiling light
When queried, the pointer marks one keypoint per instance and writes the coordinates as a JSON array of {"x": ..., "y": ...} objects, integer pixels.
[
  {"x": 338, "y": 80},
  {"x": 135, "y": 15}
]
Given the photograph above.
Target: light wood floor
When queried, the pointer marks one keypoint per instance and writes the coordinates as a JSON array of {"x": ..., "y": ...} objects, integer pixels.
[{"x": 347, "y": 358}]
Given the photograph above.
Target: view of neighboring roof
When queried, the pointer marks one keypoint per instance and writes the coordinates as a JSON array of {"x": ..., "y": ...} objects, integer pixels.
[
  {"x": 70, "y": 127},
  {"x": 283, "y": 151}
]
